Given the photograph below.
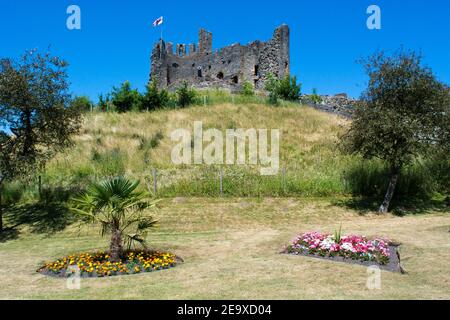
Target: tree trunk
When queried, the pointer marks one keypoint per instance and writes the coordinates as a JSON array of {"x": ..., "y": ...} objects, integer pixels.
[
  {"x": 115, "y": 249},
  {"x": 390, "y": 191},
  {"x": 1, "y": 205},
  {"x": 40, "y": 187},
  {"x": 28, "y": 142}
]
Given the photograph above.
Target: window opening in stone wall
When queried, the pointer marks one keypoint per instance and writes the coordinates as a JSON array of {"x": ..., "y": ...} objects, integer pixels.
[
  {"x": 256, "y": 70},
  {"x": 168, "y": 76},
  {"x": 220, "y": 75},
  {"x": 235, "y": 79}
]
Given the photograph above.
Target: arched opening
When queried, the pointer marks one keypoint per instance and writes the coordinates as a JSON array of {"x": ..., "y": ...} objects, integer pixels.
[
  {"x": 220, "y": 75},
  {"x": 235, "y": 79},
  {"x": 199, "y": 72}
]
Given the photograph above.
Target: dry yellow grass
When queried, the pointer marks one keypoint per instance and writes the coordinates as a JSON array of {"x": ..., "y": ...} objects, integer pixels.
[{"x": 231, "y": 246}]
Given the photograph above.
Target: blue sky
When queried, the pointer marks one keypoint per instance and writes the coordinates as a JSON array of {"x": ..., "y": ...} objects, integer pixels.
[{"x": 327, "y": 36}]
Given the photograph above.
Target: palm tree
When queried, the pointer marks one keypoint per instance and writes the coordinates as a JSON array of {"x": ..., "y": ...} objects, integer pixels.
[{"x": 119, "y": 208}]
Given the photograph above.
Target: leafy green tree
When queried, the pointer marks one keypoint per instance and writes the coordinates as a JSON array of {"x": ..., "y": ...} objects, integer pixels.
[
  {"x": 125, "y": 98},
  {"x": 154, "y": 98},
  {"x": 288, "y": 89},
  {"x": 186, "y": 96},
  {"x": 404, "y": 112},
  {"x": 82, "y": 103},
  {"x": 247, "y": 89},
  {"x": 35, "y": 108},
  {"x": 119, "y": 208}
]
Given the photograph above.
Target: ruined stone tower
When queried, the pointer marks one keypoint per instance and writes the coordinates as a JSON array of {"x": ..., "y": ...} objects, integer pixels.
[{"x": 228, "y": 67}]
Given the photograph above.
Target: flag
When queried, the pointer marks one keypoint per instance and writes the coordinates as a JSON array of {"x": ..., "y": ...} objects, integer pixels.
[{"x": 158, "y": 22}]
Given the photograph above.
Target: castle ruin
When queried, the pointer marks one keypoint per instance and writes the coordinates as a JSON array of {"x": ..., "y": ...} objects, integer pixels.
[{"x": 228, "y": 67}]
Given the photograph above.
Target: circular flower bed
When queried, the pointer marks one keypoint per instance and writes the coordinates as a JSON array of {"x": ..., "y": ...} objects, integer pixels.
[
  {"x": 97, "y": 264},
  {"x": 352, "y": 246}
]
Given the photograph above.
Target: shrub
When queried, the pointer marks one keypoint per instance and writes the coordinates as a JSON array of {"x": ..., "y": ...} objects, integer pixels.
[
  {"x": 271, "y": 85},
  {"x": 82, "y": 103},
  {"x": 186, "y": 96},
  {"x": 315, "y": 98},
  {"x": 104, "y": 103},
  {"x": 126, "y": 99},
  {"x": 154, "y": 98},
  {"x": 288, "y": 89},
  {"x": 247, "y": 89}
]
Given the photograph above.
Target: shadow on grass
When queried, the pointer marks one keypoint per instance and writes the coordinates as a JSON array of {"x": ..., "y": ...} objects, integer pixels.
[
  {"x": 47, "y": 216},
  {"x": 398, "y": 207},
  {"x": 41, "y": 217},
  {"x": 8, "y": 235}
]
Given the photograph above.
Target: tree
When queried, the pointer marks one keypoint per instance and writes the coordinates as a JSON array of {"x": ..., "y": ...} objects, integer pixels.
[
  {"x": 104, "y": 102},
  {"x": 4, "y": 170},
  {"x": 286, "y": 88},
  {"x": 186, "y": 95},
  {"x": 119, "y": 208},
  {"x": 82, "y": 103},
  {"x": 126, "y": 99},
  {"x": 36, "y": 119},
  {"x": 403, "y": 112},
  {"x": 154, "y": 98}
]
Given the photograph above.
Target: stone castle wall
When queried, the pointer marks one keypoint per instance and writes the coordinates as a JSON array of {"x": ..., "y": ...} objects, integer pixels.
[{"x": 228, "y": 67}]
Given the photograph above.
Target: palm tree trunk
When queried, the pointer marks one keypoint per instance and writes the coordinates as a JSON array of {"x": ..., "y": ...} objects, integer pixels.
[
  {"x": 390, "y": 191},
  {"x": 115, "y": 249}
]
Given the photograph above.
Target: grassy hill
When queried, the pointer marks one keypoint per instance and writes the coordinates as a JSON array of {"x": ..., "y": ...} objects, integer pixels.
[{"x": 135, "y": 143}]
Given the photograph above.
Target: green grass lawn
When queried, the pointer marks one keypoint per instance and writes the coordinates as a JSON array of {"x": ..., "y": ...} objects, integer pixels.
[{"x": 231, "y": 250}]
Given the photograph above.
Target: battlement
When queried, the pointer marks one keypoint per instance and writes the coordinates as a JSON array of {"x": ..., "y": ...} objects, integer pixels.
[{"x": 228, "y": 67}]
